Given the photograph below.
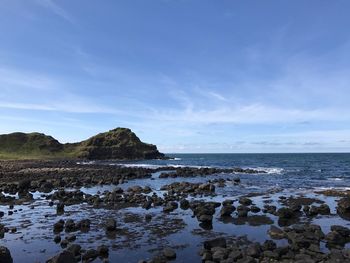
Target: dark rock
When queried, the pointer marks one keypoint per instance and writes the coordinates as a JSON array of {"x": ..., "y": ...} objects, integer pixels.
[
  {"x": 90, "y": 255},
  {"x": 276, "y": 233},
  {"x": 344, "y": 206},
  {"x": 324, "y": 209},
  {"x": 5, "y": 255},
  {"x": 169, "y": 207},
  {"x": 58, "y": 226},
  {"x": 71, "y": 238},
  {"x": 169, "y": 253},
  {"x": 217, "y": 242},
  {"x": 285, "y": 213},
  {"x": 334, "y": 238},
  {"x": 103, "y": 251},
  {"x": 269, "y": 245},
  {"x": 342, "y": 230},
  {"x": 74, "y": 249},
  {"x": 254, "y": 250},
  {"x": 60, "y": 208},
  {"x": 57, "y": 239},
  {"x": 245, "y": 201},
  {"x": 255, "y": 209},
  {"x": 148, "y": 217},
  {"x": 70, "y": 226},
  {"x": 64, "y": 257},
  {"x": 184, "y": 204},
  {"x": 110, "y": 224},
  {"x": 84, "y": 225},
  {"x": 227, "y": 210},
  {"x": 242, "y": 211}
]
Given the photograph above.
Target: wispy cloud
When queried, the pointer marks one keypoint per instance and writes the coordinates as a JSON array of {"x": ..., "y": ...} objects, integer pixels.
[
  {"x": 10, "y": 78},
  {"x": 55, "y": 8},
  {"x": 73, "y": 106}
]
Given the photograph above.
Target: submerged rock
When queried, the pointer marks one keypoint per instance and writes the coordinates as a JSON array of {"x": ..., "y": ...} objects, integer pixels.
[
  {"x": 169, "y": 253},
  {"x": 110, "y": 224}
]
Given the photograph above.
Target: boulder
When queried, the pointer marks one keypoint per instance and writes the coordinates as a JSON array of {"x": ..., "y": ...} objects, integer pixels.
[
  {"x": 245, "y": 201},
  {"x": 344, "y": 205},
  {"x": 5, "y": 255},
  {"x": 110, "y": 224},
  {"x": 276, "y": 233},
  {"x": 217, "y": 242},
  {"x": 63, "y": 257},
  {"x": 169, "y": 253}
]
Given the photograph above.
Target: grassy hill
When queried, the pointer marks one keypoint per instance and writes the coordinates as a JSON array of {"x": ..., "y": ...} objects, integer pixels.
[{"x": 120, "y": 143}]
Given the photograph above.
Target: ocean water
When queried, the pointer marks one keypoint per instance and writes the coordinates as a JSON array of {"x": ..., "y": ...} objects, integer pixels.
[{"x": 300, "y": 171}]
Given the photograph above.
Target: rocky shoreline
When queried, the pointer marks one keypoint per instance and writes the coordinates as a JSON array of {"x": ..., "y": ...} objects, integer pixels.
[{"x": 56, "y": 193}]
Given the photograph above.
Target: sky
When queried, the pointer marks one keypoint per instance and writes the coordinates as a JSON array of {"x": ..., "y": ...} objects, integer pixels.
[{"x": 191, "y": 76}]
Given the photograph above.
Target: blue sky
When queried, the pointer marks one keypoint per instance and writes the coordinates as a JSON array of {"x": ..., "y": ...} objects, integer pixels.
[{"x": 187, "y": 75}]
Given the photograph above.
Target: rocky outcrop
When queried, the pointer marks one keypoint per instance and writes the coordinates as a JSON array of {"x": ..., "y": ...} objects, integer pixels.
[{"x": 120, "y": 143}]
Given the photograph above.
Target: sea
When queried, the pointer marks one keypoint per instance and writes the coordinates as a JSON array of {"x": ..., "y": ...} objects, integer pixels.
[{"x": 289, "y": 170}]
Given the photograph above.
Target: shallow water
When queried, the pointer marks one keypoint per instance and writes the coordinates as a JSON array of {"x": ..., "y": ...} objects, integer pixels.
[{"x": 136, "y": 239}]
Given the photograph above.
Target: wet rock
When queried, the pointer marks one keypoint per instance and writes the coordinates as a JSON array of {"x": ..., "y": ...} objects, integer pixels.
[
  {"x": 342, "y": 230},
  {"x": 245, "y": 201},
  {"x": 64, "y": 257},
  {"x": 254, "y": 250},
  {"x": 148, "y": 217},
  {"x": 147, "y": 205},
  {"x": 64, "y": 243},
  {"x": 344, "y": 206},
  {"x": 135, "y": 189},
  {"x": 271, "y": 209},
  {"x": 207, "y": 187},
  {"x": 255, "y": 209},
  {"x": 90, "y": 255},
  {"x": 60, "y": 208},
  {"x": 324, "y": 209},
  {"x": 236, "y": 180},
  {"x": 334, "y": 238},
  {"x": 74, "y": 249},
  {"x": 84, "y": 225},
  {"x": 57, "y": 239},
  {"x": 58, "y": 226},
  {"x": 269, "y": 245},
  {"x": 184, "y": 204},
  {"x": 227, "y": 202},
  {"x": 110, "y": 224},
  {"x": 169, "y": 253},
  {"x": 218, "y": 254},
  {"x": 103, "y": 251},
  {"x": 205, "y": 218},
  {"x": 242, "y": 211},
  {"x": 24, "y": 184},
  {"x": 235, "y": 255},
  {"x": 227, "y": 210},
  {"x": 217, "y": 242},
  {"x": 5, "y": 255},
  {"x": 276, "y": 233},
  {"x": 70, "y": 226},
  {"x": 285, "y": 213},
  {"x": 170, "y": 206},
  {"x": 71, "y": 238}
]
